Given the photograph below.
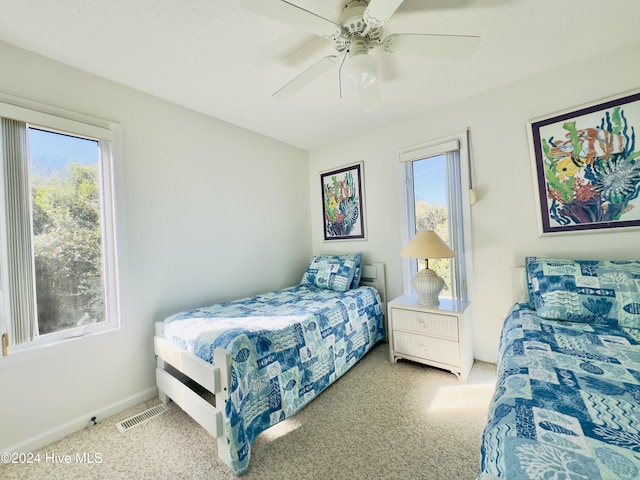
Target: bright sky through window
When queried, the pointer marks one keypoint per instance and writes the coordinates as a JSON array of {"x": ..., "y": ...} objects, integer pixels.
[{"x": 430, "y": 180}]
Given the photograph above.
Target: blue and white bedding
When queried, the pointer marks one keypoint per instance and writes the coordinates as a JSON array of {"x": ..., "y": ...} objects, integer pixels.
[
  {"x": 286, "y": 346},
  {"x": 567, "y": 399}
]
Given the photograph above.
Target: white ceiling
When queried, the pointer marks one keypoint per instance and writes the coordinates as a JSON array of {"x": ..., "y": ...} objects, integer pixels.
[{"x": 213, "y": 57}]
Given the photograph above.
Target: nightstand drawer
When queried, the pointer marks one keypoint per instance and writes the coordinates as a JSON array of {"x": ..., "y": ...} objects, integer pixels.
[
  {"x": 425, "y": 323},
  {"x": 429, "y": 348}
]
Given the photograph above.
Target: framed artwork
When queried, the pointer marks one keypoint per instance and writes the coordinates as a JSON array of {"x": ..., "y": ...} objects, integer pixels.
[
  {"x": 587, "y": 167},
  {"x": 342, "y": 203}
]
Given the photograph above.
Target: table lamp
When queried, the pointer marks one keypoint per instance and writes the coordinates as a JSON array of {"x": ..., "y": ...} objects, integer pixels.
[{"x": 427, "y": 244}]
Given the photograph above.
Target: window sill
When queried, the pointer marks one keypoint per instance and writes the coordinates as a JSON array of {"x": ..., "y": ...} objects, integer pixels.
[{"x": 40, "y": 351}]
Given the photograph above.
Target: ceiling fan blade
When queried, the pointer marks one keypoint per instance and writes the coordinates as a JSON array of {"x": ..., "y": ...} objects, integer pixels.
[
  {"x": 439, "y": 46},
  {"x": 293, "y": 15},
  {"x": 380, "y": 11},
  {"x": 306, "y": 77},
  {"x": 370, "y": 96}
]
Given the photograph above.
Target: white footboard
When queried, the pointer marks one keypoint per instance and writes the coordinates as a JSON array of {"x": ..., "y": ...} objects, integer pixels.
[{"x": 214, "y": 378}]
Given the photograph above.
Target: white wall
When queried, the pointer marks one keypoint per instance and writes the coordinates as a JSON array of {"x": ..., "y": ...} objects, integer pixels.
[
  {"x": 504, "y": 228},
  {"x": 210, "y": 212},
  {"x": 213, "y": 212}
]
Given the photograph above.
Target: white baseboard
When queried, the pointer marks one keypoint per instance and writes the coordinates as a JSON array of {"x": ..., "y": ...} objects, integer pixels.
[
  {"x": 486, "y": 357},
  {"x": 53, "y": 435}
]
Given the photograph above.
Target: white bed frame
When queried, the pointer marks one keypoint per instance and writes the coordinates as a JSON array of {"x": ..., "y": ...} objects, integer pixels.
[
  {"x": 519, "y": 284},
  {"x": 176, "y": 368}
]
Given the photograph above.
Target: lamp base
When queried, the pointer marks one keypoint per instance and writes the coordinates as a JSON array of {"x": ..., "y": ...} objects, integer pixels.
[{"x": 428, "y": 286}]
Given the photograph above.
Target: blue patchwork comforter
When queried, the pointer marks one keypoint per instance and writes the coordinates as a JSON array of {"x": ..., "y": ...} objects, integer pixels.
[
  {"x": 286, "y": 346},
  {"x": 567, "y": 401}
]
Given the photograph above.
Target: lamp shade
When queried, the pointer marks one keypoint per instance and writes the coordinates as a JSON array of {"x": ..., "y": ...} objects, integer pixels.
[
  {"x": 427, "y": 244},
  {"x": 428, "y": 285}
]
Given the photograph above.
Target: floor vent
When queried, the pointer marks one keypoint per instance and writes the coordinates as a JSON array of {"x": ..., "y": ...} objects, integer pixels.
[{"x": 142, "y": 417}]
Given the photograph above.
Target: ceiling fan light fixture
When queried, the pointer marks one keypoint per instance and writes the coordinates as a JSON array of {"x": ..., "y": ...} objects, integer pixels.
[
  {"x": 359, "y": 70},
  {"x": 358, "y": 29}
]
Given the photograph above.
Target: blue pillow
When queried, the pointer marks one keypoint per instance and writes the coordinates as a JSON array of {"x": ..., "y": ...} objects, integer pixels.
[
  {"x": 332, "y": 272},
  {"x": 596, "y": 291},
  {"x": 357, "y": 259}
]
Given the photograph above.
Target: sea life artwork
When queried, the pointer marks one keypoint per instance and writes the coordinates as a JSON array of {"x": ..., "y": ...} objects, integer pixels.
[
  {"x": 342, "y": 203},
  {"x": 587, "y": 167}
]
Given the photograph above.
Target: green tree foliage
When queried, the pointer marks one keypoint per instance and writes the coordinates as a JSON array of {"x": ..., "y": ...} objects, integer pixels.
[
  {"x": 429, "y": 217},
  {"x": 436, "y": 218},
  {"x": 67, "y": 246}
]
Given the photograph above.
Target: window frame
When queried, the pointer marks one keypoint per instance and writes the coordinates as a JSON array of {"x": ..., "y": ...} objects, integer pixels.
[
  {"x": 108, "y": 135},
  {"x": 461, "y": 201}
]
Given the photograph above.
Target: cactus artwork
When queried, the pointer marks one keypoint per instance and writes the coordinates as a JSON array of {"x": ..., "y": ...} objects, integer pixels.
[{"x": 342, "y": 203}]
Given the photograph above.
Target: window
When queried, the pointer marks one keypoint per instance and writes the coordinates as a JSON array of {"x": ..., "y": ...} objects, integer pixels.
[
  {"x": 435, "y": 200},
  {"x": 59, "y": 274}
]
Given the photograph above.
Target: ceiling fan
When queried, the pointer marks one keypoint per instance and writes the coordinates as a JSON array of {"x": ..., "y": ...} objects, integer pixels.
[{"x": 358, "y": 30}]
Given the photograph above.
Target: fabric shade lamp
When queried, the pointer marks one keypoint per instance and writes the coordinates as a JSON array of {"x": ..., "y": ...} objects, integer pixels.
[{"x": 427, "y": 244}]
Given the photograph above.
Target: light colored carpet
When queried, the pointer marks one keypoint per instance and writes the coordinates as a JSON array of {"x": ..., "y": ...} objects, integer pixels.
[{"x": 379, "y": 421}]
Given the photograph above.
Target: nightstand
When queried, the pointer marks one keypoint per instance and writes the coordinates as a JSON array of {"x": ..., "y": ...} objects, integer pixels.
[{"x": 438, "y": 336}]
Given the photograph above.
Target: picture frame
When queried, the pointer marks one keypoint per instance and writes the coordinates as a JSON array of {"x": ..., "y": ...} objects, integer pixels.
[
  {"x": 343, "y": 203},
  {"x": 586, "y": 167}
]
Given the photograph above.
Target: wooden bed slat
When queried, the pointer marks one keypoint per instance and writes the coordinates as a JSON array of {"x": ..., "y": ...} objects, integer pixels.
[
  {"x": 199, "y": 409},
  {"x": 192, "y": 366}
]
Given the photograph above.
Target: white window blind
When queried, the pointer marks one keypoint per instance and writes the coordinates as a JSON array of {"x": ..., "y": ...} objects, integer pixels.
[
  {"x": 18, "y": 235},
  {"x": 429, "y": 150}
]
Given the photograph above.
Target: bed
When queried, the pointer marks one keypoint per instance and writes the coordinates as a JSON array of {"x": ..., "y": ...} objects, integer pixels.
[
  {"x": 242, "y": 366},
  {"x": 567, "y": 398}
]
